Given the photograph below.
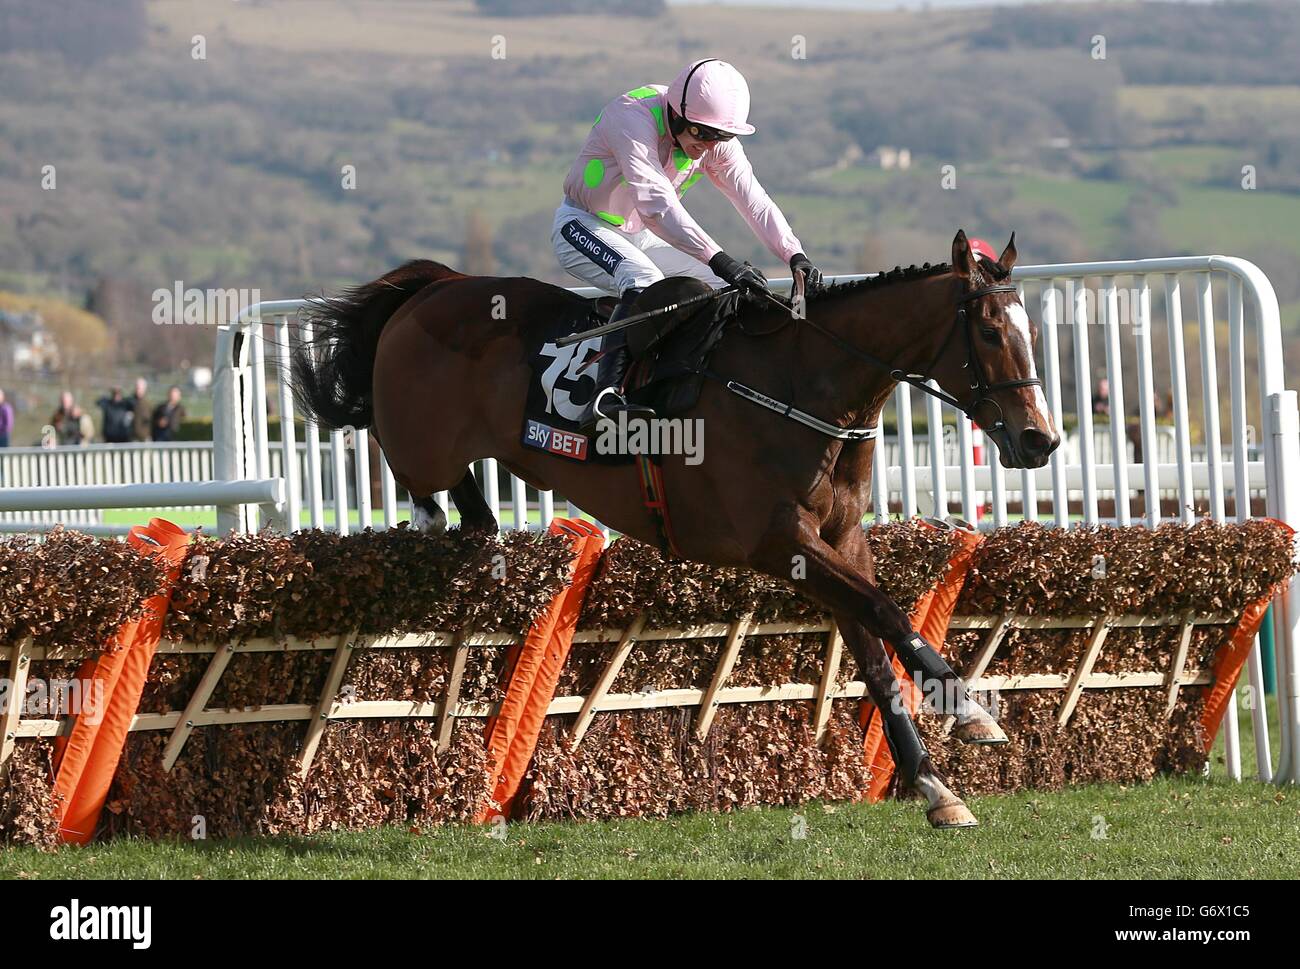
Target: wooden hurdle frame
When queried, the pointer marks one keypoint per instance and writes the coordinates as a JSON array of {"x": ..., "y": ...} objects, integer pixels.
[{"x": 329, "y": 708}]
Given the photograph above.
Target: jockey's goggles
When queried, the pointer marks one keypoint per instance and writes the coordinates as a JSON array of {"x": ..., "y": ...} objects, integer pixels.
[{"x": 703, "y": 132}]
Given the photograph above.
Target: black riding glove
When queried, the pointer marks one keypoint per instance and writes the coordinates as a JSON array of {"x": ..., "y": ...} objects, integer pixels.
[
  {"x": 739, "y": 274},
  {"x": 813, "y": 282}
]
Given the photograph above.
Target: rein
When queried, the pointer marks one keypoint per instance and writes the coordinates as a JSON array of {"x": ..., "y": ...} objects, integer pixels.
[
  {"x": 653, "y": 492},
  {"x": 984, "y": 390}
]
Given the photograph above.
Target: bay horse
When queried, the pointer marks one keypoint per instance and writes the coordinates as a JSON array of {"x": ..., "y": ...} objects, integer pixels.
[{"x": 437, "y": 364}]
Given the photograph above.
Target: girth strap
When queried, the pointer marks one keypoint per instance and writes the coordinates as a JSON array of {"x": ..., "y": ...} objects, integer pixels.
[{"x": 655, "y": 498}]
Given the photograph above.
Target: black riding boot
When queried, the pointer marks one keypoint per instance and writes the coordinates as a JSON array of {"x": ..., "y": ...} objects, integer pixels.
[{"x": 606, "y": 402}]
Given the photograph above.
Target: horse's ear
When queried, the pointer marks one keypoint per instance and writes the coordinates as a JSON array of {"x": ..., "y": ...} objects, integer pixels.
[
  {"x": 963, "y": 260},
  {"x": 1008, "y": 258}
]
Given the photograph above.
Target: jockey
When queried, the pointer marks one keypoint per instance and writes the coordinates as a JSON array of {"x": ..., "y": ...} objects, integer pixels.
[{"x": 622, "y": 225}]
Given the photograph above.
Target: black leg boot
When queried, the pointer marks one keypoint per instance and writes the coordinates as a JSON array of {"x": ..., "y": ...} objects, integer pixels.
[{"x": 606, "y": 401}]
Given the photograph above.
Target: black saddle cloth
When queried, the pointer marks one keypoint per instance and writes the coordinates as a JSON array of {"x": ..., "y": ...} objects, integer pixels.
[{"x": 665, "y": 374}]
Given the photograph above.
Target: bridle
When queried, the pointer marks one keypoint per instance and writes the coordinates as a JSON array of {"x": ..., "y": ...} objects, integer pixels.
[{"x": 984, "y": 390}]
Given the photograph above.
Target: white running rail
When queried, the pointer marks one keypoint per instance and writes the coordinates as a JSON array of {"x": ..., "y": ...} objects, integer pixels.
[{"x": 1129, "y": 321}]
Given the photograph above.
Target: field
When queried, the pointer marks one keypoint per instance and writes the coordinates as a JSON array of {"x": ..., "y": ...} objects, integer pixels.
[
  {"x": 1086, "y": 159},
  {"x": 1161, "y": 103},
  {"x": 1167, "y": 829}
]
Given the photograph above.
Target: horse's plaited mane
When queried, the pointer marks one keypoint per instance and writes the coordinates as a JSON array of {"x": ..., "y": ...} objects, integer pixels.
[
  {"x": 986, "y": 273},
  {"x": 896, "y": 275}
]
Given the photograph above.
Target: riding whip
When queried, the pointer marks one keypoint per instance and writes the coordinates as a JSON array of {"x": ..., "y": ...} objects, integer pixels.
[{"x": 627, "y": 321}]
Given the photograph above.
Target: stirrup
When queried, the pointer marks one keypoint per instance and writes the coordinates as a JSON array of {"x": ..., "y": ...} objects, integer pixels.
[{"x": 609, "y": 403}]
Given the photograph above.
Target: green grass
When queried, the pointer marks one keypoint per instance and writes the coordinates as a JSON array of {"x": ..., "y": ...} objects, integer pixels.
[
  {"x": 1194, "y": 163},
  {"x": 1169, "y": 102},
  {"x": 1166, "y": 829},
  {"x": 1231, "y": 220},
  {"x": 1092, "y": 204}
]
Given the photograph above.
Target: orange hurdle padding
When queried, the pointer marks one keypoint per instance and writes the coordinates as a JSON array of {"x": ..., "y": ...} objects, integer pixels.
[
  {"x": 94, "y": 748},
  {"x": 1228, "y": 664},
  {"x": 535, "y": 671},
  {"x": 1230, "y": 660},
  {"x": 85, "y": 673},
  {"x": 930, "y": 617}
]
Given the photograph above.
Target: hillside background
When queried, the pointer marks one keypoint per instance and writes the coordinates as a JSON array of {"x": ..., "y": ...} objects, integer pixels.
[{"x": 227, "y": 171}]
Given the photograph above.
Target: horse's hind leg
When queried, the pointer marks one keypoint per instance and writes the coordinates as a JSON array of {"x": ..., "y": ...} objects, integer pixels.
[
  {"x": 427, "y": 516},
  {"x": 944, "y": 808},
  {"x": 475, "y": 515}
]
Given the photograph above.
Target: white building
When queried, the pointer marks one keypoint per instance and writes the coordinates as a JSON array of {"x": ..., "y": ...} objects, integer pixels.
[
  {"x": 25, "y": 344},
  {"x": 890, "y": 158}
]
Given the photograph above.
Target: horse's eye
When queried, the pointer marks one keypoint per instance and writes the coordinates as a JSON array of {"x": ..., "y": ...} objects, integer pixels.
[{"x": 991, "y": 334}]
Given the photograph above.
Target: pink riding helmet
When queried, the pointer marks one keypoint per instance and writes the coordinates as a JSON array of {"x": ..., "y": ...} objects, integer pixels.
[{"x": 715, "y": 95}]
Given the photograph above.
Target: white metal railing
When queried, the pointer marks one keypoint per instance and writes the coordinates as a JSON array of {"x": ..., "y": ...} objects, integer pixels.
[
  {"x": 924, "y": 473},
  {"x": 1118, "y": 306},
  {"x": 88, "y": 465},
  {"x": 1087, "y": 295}
]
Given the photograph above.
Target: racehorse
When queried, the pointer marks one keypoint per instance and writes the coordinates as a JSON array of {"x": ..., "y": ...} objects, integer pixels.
[{"x": 437, "y": 364}]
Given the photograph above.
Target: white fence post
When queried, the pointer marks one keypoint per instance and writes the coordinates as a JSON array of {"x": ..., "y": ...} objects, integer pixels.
[
  {"x": 1283, "y": 429},
  {"x": 229, "y": 373}
]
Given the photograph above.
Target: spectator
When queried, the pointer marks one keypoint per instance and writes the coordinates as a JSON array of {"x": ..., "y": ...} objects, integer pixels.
[
  {"x": 118, "y": 413},
  {"x": 141, "y": 412},
  {"x": 67, "y": 425},
  {"x": 168, "y": 415},
  {"x": 85, "y": 425},
  {"x": 6, "y": 420},
  {"x": 1101, "y": 398},
  {"x": 1133, "y": 431}
]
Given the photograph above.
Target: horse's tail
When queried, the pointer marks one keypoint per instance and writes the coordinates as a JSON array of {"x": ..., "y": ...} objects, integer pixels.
[{"x": 333, "y": 373}]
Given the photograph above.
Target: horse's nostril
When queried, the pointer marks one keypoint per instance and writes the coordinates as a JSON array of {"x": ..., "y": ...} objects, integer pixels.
[{"x": 1035, "y": 443}]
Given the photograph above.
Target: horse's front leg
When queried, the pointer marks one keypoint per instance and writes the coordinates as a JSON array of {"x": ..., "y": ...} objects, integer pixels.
[
  {"x": 865, "y": 616},
  {"x": 944, "y": 809},
  {"x": 931, "y": 673}
]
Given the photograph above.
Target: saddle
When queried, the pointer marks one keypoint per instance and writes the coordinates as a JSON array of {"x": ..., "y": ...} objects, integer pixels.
[{"x": 669, "y": 355}]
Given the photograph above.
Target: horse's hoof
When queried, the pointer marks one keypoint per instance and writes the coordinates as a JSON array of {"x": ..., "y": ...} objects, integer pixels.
[
  {"x": 429, "y": 524},
  {"x": 951, "y": 814},
  {"x": 981, "y": 731}
]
